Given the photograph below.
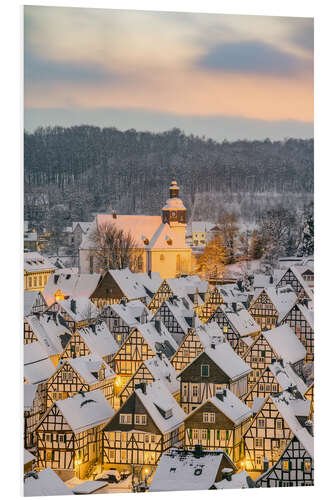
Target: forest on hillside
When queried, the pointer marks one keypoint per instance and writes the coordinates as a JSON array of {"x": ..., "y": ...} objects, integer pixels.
[{"x": 72, "y": 173}]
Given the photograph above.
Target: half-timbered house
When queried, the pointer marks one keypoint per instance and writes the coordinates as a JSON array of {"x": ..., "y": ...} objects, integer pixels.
[
  {"x": 219, "y": 422},
  {"x": 50, "y": 330},
  {"x": 156, "y": 368},
  {"x": 144, "y": 342},
  {"x": 83, "y": 374},
  {"x": 148, "y": 424},
  {"x": 194, "y": 342},
  {"x": 191, "y": 287},
  {"x": 77, "y": 312},
  {"x": 123, "y": 317},
  {"x": 92, "y": 339},
  {"x": 299, "y": 278},
  {"x": 222, "y": 294},
  {"x": 118, "y": 284},
  {"x": 295, "y": 467},
  {"x": 215, "y": 368},
  {"x": 301, "y": 319},
  {"x": 276, "y": 378},
  {"x": 28, "y": 460},
  {"x": 198, "y": 469},
  {"x": 68, "y": 435},
  {"x": 64, "y": 285},
  {"x": 33, "y": 302},
  {"x": 279, "y": 419},
  {"x": 32, "y": 413},
  {"x": 270, "y": 305},
  {"x": 178, "y": 316},
  {"x": 309, "y": 394},
  {"x": 237, "y": 324},
  {"x": 278, "y": 343}
]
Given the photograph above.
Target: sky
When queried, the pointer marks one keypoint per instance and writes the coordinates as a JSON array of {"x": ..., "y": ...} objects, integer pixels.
[{"x": 214, "y": 75}]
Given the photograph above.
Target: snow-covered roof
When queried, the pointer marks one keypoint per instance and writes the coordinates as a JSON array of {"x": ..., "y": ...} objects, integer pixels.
[
  {"x": 228, "y": 404},
  {"x": 88, "y": 366},
  {"x": 261, "y": 280},
  {"x": 240, "y": 480},
  {"x": 70, "y": 284},
  {"x": 130, "y": 312},
  {"x": 51, "y": 332},
  {"x": 240, "y": 319},
  {"x": 85, "y": 226},
  {"x": 30, "y": 297},
  {"x": 34, "y": 262},
  {"x": 45, "y": 483},
  {"x": 231, "y": 293},
  {"x": 209, "y": 333},
  {"x": 37, "y": 365},
  {"x": 32, "y": 236},
  {"x": 257, "y": 405},
  {"x": 151, "y": 282},
  {"x": 159, "y": 340},
  {"x": 283, "y": 298},
  {"x": 162, "y": 370},
  {"x": 125, "y": 279},
  {"x": 307, "y": 313},
  {"x": 297, "y": 271},
  {"x": 286, "y": 376},
  {"x": 88, "y": 487},
  {"x": 218, "y": 349},
  {"x": 85, "y": 410},
  {"x": 28, "y": 457},
  {"x": 83, "y": 307},
  {"x": 29, "y": 395},
  {"x": 291, "y": 407},
  {"x": 202, "y": 226},
  {"x": 181, "y": 470},
  {"x": 285, "y": 344},
  {"x": 180, "y": 309},
  {"x": 158, "y": 400},
  {"x": 26, "y": 225},
  {"x": 99, "y": 339},
  {"x": 181, "y": 287}
]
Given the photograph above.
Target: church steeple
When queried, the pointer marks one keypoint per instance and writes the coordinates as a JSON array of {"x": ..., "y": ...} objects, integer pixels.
[{"x": 174, "y": 212}]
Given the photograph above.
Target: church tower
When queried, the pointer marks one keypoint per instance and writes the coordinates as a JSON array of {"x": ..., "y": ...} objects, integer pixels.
[{"x": 174, "y": 212}]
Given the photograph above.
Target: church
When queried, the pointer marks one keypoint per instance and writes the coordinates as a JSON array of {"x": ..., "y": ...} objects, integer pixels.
[{"x": 160, "y": 239}]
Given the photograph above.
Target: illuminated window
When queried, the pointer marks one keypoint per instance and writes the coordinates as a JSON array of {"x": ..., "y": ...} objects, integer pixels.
[
  {"x": 307, "y": 465},
  {"x": 225, "y": 329},
  {"x": 285, "y": 464}
]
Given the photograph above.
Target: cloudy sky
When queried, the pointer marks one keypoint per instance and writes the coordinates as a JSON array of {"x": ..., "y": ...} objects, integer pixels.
[{"x": 217, "y": 75}]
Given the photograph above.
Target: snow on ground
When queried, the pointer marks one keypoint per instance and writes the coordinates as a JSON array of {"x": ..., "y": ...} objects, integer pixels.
[{"x": 124, "y": 486}]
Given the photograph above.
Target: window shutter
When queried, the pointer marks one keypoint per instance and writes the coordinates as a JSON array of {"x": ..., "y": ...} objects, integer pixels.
[
  {"x": 65, "y": 436},
  {"x": 190, "y": 432},
  {"x": 289, "y": 464},
  {"x": 302, "y": 465},
  {"x": 226, "y": 435},
  {"x": 208, "y": 434},
  {"x": 218, "y": 434}
]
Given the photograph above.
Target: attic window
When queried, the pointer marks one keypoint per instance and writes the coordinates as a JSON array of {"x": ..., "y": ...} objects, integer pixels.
[
  {"x": 197, "y": 472},
  {"x": 173, "y": 469}
]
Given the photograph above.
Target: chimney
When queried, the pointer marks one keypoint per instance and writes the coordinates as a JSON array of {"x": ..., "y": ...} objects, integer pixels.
[
  {"x": 198, "y": 451},
  {"x": 305, "y": 302},
  {"x": 159, "y": 354},
  {"x": 142, "y": 386},
  {"x": 114, "y": 214},
  {"x": 149, "y": 273},
  {"x": 158, "y": 325},
  {"x": 123, "y": 301},
  {"x": 271, "y": 281},
  {"x": 224, "y": 392},
  {"x": 309, "y": 426},
  {"x": 219, "y": 395},
  {"x": 266, "y": 464},
  {"x": 212, "y": 345},
  {"x": 234, "y": 306},
  {"x": 73, "y": 306}
]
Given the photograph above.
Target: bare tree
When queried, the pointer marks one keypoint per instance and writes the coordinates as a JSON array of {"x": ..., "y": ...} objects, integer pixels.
[
  {"x": 212, "y": 261},
  {"x": 115, "y": 249}
]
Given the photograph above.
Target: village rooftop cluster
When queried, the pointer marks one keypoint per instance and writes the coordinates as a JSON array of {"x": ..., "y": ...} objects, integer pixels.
[{"x": 161, "y": 380}]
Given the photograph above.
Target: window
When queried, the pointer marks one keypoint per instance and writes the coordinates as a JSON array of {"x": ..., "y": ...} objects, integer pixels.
[
  {"x": 30, "y": 282},
  {"x": 209, "y": 417},
  {"x": 261, "y": 423},
  {"x": 128, "y": 349},
  {"x": 259, "y": 460},
  {"x": 258, "y": 442},
  {"x": 141, "y": 419},
  {"x": 279, "y": 424},
  {"x": 195, "y": 434},
  {"x": 147, "y": 438},
  {"x": 225, "y": 329},
  {"x": 40, "y": 281},
  {"x": 274, "y": 388},
  {"x": 62, "y": 438},
  {"x": 205, "y": 370},
  {"x": 35, "y": 280},
  {"x": 125, "y": 418},
  {"x": 204, "y": 434},
  {"x": 285, "y": 464},
  {"x": 275, "y": 443},
  {"x": 195, "y": 391},
  {"x": 48, "y": 437},
  {"x": 261, "y": 387},
  {"x": 268, "y": 387},
  {"x": 307, "y": 465}
]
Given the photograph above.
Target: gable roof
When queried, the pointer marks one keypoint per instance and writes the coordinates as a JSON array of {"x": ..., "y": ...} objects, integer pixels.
[
  {"x": 130, "y": 311},
  {"x": 240, "y": 480},
  {"x": 99, "y": 339},
  {"x": 286, "y": 377},
  {"x": 51, "y": 332},
  {"x": 181, "y": 310},
  {"x": 181, "y": 470},
  {"x": 84, "y": 309},
  {"x": 28, "y": 457},
  {"x": 158, "y": 340},
  {"x": 30, "y": 391},
  {"x": 181, "y": 287},
  {"x": 30, "y": 297},
  {"x": 85, "y": 410},
  {"x": 231, "y": 293},
  {"x": 86, "y": 366},
  {"x": 37, "y": 365},
  {"x": 285, "y": 344},
  {"x": 162, "y": 370},
  {"x": 228, "y": 404},
  {"x": 34, "y": 262},
  {"x": 156, "y": 398},
  {"x": 283, "y": 298},
  {"x": 151, "y": 282},
  {"x": 241, "y": 320},
  {"x": 71, "y": 285},
  {"x": 44, "y": 483}
]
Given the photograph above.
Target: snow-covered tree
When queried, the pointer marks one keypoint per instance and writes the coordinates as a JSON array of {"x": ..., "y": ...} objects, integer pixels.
[
  {"x": 307, "y": 244},
  {"x": 213, "y": 259}
]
